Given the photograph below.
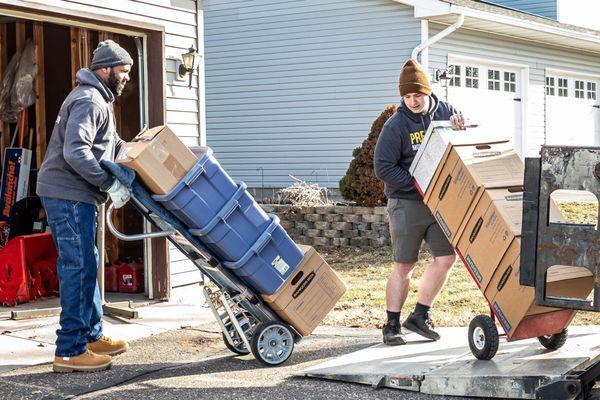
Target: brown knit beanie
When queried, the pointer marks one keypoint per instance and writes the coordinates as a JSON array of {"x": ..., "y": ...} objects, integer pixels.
[{"x": 413, "y": 79}]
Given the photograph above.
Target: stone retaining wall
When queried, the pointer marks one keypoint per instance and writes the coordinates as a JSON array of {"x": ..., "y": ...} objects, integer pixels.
[{"x": 334, "y": 226}]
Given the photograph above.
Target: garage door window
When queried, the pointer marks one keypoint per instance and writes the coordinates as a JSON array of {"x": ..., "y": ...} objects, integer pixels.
[
  {"x": 579, "y": 89},
  {"x": 493, "y": 79},
  {"x": 591, "y": 90},
  {"x": 454, "y": 74},
  {"x": 472, "y": 77},
  {"x": 563, "y": 85},
  {"x": 550, "y": 89},
  {"x": 510, "y": 82}
]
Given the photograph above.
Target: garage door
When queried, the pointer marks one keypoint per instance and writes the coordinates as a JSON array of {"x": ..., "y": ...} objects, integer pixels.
[
  {"x": 489, "y": 96},
  {"x": 572, "y": 110}
]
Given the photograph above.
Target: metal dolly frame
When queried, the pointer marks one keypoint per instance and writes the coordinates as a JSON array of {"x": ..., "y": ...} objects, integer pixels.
[
  {"x": 247, "y": 323},
  {"x": 545, "y": 243}
]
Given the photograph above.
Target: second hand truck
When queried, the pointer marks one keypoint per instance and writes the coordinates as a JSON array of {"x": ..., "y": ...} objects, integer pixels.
[
  {"x": 545, "y": 243},
  {"x": 247, "y": 324}
]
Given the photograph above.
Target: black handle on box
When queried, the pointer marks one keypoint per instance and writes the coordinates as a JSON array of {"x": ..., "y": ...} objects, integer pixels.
[{"x": 297, "y": 278}]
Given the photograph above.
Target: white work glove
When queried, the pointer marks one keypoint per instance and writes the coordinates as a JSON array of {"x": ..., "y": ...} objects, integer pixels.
[{"x": 119, "y": 194}]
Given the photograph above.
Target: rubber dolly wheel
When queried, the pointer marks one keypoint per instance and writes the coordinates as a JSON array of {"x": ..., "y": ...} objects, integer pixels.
[
  {"x": 239, "y": 347},
  {"x": 556, "y": 341},
  {"x": 272, "y": 343},
  {"x": 483, "y": 337}
]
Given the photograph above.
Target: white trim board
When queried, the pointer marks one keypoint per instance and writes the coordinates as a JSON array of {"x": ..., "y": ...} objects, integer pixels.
[{"x": 556, "y": 72}]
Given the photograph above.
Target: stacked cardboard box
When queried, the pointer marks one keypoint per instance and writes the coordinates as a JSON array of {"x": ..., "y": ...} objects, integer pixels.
[
  {"x": 309, "y": 294},
  {"x": 473, "y": 185},
  {"x": 159, "y": 157}
]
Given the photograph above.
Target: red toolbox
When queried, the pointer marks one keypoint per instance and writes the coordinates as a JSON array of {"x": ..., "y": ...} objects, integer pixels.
[{"x": 27, "y": 269}]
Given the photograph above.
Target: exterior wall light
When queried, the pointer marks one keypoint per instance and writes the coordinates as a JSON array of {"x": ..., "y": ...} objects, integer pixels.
[{"x": 189, "y": 62}]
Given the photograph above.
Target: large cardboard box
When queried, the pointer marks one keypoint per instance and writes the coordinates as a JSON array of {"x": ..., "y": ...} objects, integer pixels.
[
  {"x": 487, "y": 234},
  {"x": 159, "y": 157},
  {"x": 309, "y": 293},
  {"x": 512, "y": 303},
  {"x": 462, "y": 178},
  {"x": 434, "y": 149}
]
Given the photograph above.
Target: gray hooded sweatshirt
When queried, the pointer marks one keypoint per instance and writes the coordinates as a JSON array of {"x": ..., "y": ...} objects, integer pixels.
[{"x": 84, "y": 134}]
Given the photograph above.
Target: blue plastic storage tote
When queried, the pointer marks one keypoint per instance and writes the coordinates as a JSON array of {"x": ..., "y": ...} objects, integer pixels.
[
  {"x": 270, "y": 261},
  {"x": 236, "y": 227},
  {"x": 201, "y": 194}
]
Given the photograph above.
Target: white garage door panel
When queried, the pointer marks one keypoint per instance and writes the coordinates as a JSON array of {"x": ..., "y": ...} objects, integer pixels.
[
  {"x": 490, "y": 97},
  {"x": 572, "y": 110}
]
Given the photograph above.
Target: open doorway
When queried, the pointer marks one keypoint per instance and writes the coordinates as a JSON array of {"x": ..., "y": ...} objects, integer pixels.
[{"x": 60, "y": 51}]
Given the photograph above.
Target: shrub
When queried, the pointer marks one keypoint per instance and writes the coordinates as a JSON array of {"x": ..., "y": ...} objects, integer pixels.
[{"x": 360, "y": 183}]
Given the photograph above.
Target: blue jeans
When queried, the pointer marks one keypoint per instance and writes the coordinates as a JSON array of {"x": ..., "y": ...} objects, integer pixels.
[{"x": 73, "y": 226}]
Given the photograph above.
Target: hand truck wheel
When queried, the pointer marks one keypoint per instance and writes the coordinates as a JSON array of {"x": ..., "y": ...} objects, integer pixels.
[
  {"x": 247, "y": 324},
  {"x": 556, "y": 341},
  {"x": 483, "y": 337},
  {"x": 272, "y": 343}
]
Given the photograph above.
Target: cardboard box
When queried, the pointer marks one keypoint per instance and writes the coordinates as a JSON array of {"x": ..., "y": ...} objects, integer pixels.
[
  {"x": 159, "y": 157},
  {"x": 465, "y": 173},
  {"x": 512, "y": 303},
  {"x": 486, "y": 236},
  {"x": 435, "y": 148},
  {"x": 15, "y": 179},
  {"x": 309, "y": 293}
]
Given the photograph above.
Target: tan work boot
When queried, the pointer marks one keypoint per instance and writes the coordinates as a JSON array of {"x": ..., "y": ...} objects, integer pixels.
[
  {"x": 107, "y": 346},
  {"x": 86, "y": 362}
]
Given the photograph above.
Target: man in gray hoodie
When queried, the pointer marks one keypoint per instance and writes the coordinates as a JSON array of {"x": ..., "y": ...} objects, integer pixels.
[{"x": 72, "y": 184}]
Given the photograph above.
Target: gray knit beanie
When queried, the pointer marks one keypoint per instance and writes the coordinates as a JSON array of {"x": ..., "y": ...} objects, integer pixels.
[{"x": 108, "y": 54}]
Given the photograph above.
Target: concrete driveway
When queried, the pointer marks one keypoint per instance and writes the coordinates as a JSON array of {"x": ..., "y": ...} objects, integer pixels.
[{"x": 194, "y": 364}]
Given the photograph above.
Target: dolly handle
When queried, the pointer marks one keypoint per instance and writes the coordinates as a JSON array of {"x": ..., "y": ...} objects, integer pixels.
[{"x": 131, "y": 238}]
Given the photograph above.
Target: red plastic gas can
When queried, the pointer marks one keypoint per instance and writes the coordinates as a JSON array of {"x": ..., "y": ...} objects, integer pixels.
[
  {"x": 131, "y": 278},
  {"x": 111, "y": 276}
]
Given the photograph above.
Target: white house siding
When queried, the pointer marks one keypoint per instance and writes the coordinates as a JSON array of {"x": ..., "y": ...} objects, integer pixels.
[
  {"x": 180, "y": 19},
  {"x": 293, "y": 87},
  {"x": 544, "y": 8},
  {"x": 538, "y": 57}
]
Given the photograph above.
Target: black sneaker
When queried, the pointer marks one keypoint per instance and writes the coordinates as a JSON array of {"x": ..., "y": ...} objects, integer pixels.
[
  {"x": 392, "y": 335},
  {"x": 422, "y": 325}
]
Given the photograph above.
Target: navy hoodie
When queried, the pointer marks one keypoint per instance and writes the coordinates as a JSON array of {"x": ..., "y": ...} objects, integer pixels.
[
  {"x": 84, "y": 134},
  {"x": 398, "y": 143}
]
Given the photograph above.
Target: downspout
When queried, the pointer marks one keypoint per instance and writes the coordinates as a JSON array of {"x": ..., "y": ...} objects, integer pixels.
[{"x": 428, "y": 42}]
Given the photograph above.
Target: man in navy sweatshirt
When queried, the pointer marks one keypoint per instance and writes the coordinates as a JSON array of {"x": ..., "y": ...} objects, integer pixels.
[
  {"x": 411, "y": 221},
  {"x": 72, "y": 184}
]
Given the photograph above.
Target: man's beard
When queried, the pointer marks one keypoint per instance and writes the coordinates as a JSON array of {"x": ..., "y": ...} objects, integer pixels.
[{"x": 115, "y": 86}]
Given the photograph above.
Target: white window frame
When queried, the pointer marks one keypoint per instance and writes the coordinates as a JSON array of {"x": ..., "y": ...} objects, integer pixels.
[
  {"x": 572, "y": 77},
  {"x": 550, "y": 88},
  {"x": 523, "y": 73}
]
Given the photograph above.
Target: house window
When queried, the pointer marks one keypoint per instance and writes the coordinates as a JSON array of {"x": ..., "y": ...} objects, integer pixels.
[
  {"x": 510, "y": 82},
  {"x": 454, "y": 74},
  {"x": 550, "y": 89},
  {"x": 579, "y": 89},
  {"x": 493, "y": 79},
  {"x": 591, "y": 90},
  {"x": 472, "y": 77},
  {"x": 563, "y": 84}
]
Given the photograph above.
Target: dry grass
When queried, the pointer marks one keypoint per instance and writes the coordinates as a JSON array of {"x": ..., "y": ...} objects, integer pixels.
[
  {"x": 365, "y": 273},
  {"x": 579, "y": 213}
]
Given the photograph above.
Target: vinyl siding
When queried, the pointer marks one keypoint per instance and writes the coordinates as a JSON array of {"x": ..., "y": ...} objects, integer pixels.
[
  {"x": 293, "y": 87},
  {"x": 179, "y": 17},
  {"x": 537, "y": 57},
  {"x": 544, "y": 8}
]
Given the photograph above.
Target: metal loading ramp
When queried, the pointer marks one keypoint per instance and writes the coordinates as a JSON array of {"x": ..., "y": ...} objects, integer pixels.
[{"x": 447, "y": 367}]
